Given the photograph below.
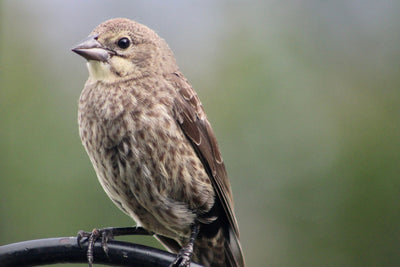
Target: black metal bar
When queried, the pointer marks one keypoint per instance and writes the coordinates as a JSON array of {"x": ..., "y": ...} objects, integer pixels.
[{"x": 66, "y": 250}]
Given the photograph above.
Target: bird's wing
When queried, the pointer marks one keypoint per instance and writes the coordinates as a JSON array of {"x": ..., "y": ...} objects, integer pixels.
[{"x": 190, "y": 115}]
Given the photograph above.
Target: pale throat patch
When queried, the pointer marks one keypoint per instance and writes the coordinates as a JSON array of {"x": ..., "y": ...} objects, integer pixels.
[{"x": 100, "y": 71}]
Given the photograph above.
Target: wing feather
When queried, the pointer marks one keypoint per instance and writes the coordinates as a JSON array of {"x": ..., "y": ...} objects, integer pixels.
[{"x": 189, "y": 113}]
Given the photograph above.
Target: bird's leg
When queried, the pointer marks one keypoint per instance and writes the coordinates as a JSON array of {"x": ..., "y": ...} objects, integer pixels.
[
  {"x": 106, "y": 235},
  {"x": 183, "y": 258}
]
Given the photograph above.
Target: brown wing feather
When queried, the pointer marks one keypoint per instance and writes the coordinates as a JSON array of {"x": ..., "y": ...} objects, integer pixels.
[{"x": 193, "y": 121}]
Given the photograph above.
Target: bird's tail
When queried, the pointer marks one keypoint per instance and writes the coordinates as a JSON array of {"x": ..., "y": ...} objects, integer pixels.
[
  {"x": 219, "y": 251},
  {"x": 233, "y": 250}
]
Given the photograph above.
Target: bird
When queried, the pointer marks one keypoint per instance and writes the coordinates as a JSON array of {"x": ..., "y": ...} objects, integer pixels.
[{"x": 152, "y": 147}]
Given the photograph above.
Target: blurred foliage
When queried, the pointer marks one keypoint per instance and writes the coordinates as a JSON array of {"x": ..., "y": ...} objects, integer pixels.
[{"x": 303, "y": 96}]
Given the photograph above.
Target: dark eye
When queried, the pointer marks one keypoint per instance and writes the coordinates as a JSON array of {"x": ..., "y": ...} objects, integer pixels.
[{"x": 124, "y": 43}]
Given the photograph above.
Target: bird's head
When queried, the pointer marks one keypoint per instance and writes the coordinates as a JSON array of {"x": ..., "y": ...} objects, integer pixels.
[{"x": 122, "y": 49}]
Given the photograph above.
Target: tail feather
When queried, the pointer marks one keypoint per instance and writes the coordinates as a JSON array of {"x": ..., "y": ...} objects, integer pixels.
[
  {"x": 222, "y": 250},
  {"x": 233, "y": 251},
  {"x": 219, "y": 251}
]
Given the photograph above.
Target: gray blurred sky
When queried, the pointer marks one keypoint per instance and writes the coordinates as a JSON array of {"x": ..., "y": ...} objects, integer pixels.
[{"x": 363, "y": 31}]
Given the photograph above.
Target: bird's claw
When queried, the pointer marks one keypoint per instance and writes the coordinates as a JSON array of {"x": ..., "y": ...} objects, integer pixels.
[
  {"x": 91, "y": 237},
  {"x": 182, "y": 260}
]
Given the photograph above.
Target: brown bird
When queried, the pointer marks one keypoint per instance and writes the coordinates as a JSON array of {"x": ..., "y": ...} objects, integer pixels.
[{"x": 152, "y": 147}]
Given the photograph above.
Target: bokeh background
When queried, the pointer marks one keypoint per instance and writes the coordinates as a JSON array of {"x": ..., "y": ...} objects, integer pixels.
[{"x": 304, "y": 97}]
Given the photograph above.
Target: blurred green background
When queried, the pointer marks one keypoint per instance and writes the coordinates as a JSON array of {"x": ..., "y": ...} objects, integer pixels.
[{"x": 304, "y": 97}]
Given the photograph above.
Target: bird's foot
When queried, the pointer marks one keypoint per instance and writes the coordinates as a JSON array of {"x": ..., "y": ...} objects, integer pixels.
[
  {"x": 183, "y": 258},
  {"x": 185, "y": 254},
  {"x": 106, "y": 234}
]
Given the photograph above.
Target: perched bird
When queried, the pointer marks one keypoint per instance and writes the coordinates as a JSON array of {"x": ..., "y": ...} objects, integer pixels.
[{"x": 152, "y": 147}]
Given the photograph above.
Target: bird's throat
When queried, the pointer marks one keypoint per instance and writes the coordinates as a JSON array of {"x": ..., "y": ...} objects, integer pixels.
[{"x": 100, "y": 71}]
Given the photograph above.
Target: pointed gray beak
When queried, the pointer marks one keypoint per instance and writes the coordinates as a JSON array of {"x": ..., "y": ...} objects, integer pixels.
[{"x": 91, "y": 49}]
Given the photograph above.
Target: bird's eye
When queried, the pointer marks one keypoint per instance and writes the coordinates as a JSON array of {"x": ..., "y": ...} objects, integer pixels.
[{"x": 123, "y": 43}]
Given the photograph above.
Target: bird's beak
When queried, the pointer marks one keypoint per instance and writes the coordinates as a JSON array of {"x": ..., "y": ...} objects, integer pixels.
[{"x": 91, "y": 49}]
